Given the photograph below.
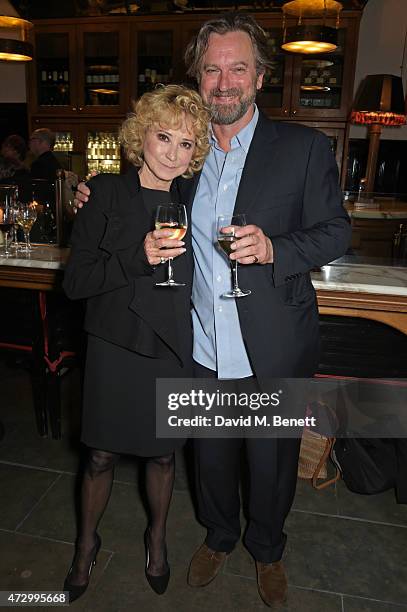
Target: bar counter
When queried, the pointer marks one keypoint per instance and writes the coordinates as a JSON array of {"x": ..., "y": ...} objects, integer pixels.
[
  {"x": 345, "y": 287},
  {"x": 42, "y": 269}
]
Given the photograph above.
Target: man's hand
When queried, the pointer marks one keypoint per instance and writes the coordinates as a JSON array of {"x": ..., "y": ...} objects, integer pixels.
[
  {"x": 83, "y": 192},
  {"x": 252, "y": 246},
  {"x": 81, "y": 195},
  {"x": 158, "y": 247}
]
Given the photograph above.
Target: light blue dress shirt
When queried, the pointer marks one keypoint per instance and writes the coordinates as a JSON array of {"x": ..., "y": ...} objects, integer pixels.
[{"x": 218, "y": 342}]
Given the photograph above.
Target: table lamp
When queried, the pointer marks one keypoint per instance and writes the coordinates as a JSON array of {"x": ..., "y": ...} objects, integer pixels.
[{"x": 379, "y": 101}]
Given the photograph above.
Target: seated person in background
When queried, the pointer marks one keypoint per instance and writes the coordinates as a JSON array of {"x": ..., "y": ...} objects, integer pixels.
[
  {"x": 13, "y": 171},
  {"x": 45, "y": 165},
  {"x": 14, "y": 149}
]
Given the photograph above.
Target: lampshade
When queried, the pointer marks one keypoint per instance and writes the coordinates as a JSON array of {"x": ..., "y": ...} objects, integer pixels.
[
  {"x": 380, "y": 100},
  {"x": 304, "y": 38},
  {"x": 14, "y": 45},
  {"x": 310, "y": 39}
]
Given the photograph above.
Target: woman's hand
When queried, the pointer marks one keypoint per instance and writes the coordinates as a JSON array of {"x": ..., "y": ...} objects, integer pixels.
[{"x": 158, "y": 247}]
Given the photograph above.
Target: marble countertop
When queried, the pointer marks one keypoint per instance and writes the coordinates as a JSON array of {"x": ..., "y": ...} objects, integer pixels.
[
  {"x": 43, "y": 256},
  {"x": 380, "y": 209},
  {"x": 389, "y": 280},
  {"x": 341, "y": 275}
]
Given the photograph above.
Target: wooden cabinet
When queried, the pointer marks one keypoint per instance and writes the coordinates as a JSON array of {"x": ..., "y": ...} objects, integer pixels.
[
  {"x": 93, "y": 68},
  {"x": 79, "y": 69},
  {"x": 322, "y": 84}
]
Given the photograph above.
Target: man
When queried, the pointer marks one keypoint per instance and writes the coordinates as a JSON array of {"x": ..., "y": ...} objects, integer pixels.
[
  {"x": 285, "y": 179},
  {"x": 42, "y": 142}
]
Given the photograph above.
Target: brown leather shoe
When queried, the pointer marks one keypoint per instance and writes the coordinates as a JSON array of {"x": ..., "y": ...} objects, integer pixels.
[
  {"x": 204, "y": 566},
  {"x": 272, "y": 583}
]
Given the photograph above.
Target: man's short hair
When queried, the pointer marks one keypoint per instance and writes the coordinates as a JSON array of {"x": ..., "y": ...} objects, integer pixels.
[
  {"x": 228, "y": 22},
  {"x": 46, "y": 135}
]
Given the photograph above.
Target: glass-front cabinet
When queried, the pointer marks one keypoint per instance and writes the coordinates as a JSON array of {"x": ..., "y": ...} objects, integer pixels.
[
  {"x": 276, "y": 90},
  {"x": 80, "y": 69},
  {"x": 54, "y": 81},
  {"x": 321, "y": 82},
  {"x": 153, "y": 48},
  {"x": 103, "y": 69}
]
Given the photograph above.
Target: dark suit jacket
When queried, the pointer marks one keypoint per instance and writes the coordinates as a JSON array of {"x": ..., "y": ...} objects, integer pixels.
[
  {"x": 289, "y": 188},
  {"x": 108, "y": 266},
  {"x": 45, "y": 167}
]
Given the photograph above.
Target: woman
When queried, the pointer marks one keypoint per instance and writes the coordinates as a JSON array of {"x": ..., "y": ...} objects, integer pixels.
[{"x": 137, "y": 332}]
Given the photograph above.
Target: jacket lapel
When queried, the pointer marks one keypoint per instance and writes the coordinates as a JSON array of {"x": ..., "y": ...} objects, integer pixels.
[{"x": 259, "y": 164}]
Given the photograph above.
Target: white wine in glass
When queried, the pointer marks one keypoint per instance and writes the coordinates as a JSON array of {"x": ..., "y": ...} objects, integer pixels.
[
  {"x": 225, "y": 241},
  {"x": 25, "y": 217},
  {"x": 174, "y": 217}
]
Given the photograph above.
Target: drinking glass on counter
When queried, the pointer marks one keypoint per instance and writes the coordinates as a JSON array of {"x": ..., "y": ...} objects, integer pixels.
[
  {"x": 26, "y": 216},
  {"x": 225, "y": 240},
  {"x": 172, "y": 216},
  {"x": 6, "y": 224}
]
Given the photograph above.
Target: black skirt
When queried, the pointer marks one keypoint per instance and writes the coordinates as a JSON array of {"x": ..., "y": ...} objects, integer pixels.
[{"x": 119, "y": 400}]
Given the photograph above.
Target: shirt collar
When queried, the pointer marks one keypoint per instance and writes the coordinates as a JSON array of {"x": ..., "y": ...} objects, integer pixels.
[{"x": 242, "y": 138}]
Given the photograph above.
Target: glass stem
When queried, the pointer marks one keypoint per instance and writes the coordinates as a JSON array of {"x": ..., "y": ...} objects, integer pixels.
[
  {"x": 233, "y": 266},
  {"x": 6, "y": 251},
  {"x": 27, "y": 240},
  {"x": 170, "y": 269}
]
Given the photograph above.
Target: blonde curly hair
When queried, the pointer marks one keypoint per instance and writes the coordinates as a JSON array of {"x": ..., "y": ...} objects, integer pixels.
[{"x": 167, "y": 106}]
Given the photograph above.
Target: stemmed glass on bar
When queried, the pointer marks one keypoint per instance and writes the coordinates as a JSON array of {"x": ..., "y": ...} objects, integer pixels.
[
  {"x": 26, "y": 216},
  {"x": 172, "y": 216},
  {"x": 225, "y": 240},
  {"x": 8, "y": 196},
  {"x": 6, "y": 224}
]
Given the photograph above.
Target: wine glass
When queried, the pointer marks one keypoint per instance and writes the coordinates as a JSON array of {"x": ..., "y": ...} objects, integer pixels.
[
  {"x": 26, "y": 216},
  {"x": 172, "y": 216},
  {"x": 225, "y": 240},
  {"x": 6, "y": 224}
]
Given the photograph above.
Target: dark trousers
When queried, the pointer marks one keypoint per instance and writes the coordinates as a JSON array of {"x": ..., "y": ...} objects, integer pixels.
[{"x": 272, "y": 467}]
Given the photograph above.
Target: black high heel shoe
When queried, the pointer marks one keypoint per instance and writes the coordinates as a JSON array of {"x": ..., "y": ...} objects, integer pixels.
[
  {"x": 77, "y": 590},
  {"x": 158, "y": 583}
]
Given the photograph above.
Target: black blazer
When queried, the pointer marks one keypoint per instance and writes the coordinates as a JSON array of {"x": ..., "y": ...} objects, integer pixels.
[
  {"x": 108, "y": 266},
  {"x": 45, "y": 167},
  {"x": 289, "y": 188}
]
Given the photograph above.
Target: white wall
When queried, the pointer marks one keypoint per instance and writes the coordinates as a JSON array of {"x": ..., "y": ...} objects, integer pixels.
[
  {"x": 382, "y": 37},
  {"x": 12, "y": 75}
]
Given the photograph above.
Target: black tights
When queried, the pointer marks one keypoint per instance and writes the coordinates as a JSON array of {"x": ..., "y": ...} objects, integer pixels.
[{"x": 95, "y": 493}]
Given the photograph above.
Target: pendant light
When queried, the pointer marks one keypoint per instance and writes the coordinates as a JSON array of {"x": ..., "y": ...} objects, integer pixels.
[
  {"x": 14, "y": 34},
  {"x": 305, "y": 38}
]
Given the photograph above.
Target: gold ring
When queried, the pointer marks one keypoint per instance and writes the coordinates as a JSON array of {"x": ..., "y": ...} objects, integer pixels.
[
  {"x": 162, "y": 260},
  {"x": 256, "y": 259}
]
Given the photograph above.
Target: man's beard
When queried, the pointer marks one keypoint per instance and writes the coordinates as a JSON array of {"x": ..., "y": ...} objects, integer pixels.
[{"x": 226, "y": 114}]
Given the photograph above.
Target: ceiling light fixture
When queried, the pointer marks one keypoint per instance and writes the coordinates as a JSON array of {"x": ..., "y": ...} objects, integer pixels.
[
  {"x": 14, "y": 44},
  {"x": 307, "y": 38}
]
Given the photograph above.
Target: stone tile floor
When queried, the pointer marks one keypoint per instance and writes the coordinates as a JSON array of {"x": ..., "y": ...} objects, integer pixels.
[{"x": 345, "y": 552}]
